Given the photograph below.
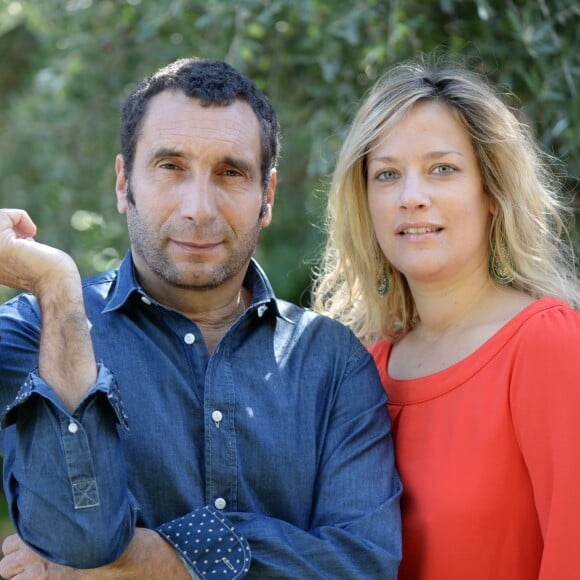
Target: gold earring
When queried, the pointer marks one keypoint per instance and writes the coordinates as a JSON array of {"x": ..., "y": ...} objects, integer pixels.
[
  {"x": 500, "y": 265},
  {"x": 384, "y": 283}
]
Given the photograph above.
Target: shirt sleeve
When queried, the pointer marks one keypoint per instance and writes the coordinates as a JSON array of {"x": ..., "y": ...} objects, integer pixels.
[
  {"x": 208, "y": 544},
  {"x": 53, "y": 481},
  {"x": 545, "y": 399}
]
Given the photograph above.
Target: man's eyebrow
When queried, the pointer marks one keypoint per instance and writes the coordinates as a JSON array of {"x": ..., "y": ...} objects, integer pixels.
[
  {"x": 240, "y": 163},
  {"x": 164, "y": 152}
]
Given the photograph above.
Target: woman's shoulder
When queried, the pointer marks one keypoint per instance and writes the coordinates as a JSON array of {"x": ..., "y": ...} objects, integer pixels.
[
  {"x": 550, "y": 313},
  {"x": 549, "y": 322},
  {"x": 379, "y": 348}
]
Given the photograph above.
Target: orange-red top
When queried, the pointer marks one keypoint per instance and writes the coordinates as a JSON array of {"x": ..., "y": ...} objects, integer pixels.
[{"x": 489, "y": 455}]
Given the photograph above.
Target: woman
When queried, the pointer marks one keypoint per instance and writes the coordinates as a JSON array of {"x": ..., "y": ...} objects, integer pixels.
[{"x": 445, "y": 251}]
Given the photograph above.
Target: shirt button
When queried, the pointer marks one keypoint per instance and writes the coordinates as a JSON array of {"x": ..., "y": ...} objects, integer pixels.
[
  {"x": 217, "y": 416},
  {"x": 220, "y": 503},
  {"x": 73, "y": 427},
  {"x": 145, "y": 300},
  {"x": 189, "y": 338}
]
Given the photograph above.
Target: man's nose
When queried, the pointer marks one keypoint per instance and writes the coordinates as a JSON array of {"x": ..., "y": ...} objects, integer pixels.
[{"x": 198, "y": 198}]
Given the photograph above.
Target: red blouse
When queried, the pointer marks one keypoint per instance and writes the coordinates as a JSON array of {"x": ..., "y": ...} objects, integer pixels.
[{"x": 489, "y": 455}]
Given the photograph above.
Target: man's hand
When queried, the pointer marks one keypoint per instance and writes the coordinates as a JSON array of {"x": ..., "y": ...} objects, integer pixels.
[
  {"x": 148, "y": 557},
  {"x": 21, "y": 562},
  {"x": 26, "y": 264}
]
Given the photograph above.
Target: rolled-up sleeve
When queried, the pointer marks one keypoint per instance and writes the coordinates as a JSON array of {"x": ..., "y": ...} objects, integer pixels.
[{"x": 55, "y": 484}]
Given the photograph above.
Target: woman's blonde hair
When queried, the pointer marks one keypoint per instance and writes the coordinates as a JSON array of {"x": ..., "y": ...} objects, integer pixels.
[{"x": 528, "y": 229}]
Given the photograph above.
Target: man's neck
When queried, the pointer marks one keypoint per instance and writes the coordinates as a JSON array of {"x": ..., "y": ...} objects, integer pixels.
[
  {"x": 214, "y": 310},
  {"x": 214, "y": 322}
]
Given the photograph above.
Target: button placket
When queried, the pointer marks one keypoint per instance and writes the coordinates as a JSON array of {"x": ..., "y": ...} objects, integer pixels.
[{"x": 221, "y": 458}]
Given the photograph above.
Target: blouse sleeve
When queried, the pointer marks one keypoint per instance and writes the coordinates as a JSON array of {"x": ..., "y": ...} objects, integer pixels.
[{"x": 545, "y": 403}]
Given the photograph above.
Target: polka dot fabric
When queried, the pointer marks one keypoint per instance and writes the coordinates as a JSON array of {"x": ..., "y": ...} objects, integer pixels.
[{"x": 209, "y": 544}]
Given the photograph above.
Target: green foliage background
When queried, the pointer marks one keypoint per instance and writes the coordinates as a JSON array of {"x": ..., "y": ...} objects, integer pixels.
[{"x": 66, "y": 65}]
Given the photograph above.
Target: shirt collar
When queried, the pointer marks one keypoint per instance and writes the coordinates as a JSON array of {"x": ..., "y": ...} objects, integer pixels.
[{"x": 263, "y": 297}]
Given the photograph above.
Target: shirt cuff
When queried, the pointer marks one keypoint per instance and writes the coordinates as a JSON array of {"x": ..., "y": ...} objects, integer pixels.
[
  {"x": 208, "y": 544},
  {"x": 34, "y": 385}
]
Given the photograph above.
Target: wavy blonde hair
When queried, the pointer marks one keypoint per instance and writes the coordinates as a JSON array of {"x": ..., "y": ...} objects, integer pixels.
[{"x": 528, "y": 226}]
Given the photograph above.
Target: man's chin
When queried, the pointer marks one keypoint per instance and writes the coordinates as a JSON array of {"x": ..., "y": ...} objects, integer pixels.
[{"x": 205, "y": 278}]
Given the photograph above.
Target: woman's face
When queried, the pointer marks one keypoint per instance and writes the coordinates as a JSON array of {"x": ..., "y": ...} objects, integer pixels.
[{"x": 428, "y": 207}]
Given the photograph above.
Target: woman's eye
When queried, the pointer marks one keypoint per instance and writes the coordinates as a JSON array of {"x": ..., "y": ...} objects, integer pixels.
[
  {"x": 387, "y": 175},
  {"x": 443, "y": 169}
]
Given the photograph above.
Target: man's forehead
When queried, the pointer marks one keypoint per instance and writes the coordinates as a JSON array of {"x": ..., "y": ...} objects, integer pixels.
[
  {"x": 175, "y": 120},
  {"x": 176, "y": 101}
]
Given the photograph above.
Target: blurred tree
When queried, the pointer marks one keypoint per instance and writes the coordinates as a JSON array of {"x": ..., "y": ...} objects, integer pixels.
[{"x": 66, "y": 65}]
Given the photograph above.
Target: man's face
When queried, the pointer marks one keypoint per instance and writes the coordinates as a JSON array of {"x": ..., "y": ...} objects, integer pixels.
[{"x": 196, "y": 186}]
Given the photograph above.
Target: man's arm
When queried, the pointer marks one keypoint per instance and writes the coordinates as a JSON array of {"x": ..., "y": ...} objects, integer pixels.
[
  {"x": 57, "y": 500},
  {"x": 148, "y": 557},
  {"x": 66, "y": 359},
  {"x": 355, "y": 526}
]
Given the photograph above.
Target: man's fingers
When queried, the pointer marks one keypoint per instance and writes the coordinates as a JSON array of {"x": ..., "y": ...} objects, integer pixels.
[
  {"x": 33, "y": 572},
  {"x": 20, "y": 561},
  {"x": 11, "y": 544},
  {"x": 10, "y": 566},
  {"x": 19, "y": 221}
]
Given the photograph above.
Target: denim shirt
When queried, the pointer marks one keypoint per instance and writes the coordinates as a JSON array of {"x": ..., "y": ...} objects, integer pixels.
[{"x": 270, "y": 457}]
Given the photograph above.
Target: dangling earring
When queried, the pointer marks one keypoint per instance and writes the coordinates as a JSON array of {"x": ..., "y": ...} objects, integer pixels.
[
  {"x": 384, "y": 283},
  {"x": 500, "y": 265}
]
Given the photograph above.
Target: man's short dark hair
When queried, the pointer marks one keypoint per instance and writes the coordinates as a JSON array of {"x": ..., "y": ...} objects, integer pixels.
[{"x": 213, "y": 82}]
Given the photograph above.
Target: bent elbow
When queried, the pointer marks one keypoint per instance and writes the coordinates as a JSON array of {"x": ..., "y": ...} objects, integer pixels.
[{"x": 90, "y": 543}]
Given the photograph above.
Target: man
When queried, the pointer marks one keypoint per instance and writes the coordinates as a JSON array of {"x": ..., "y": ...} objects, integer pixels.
[{"x": 196, "y": 425}]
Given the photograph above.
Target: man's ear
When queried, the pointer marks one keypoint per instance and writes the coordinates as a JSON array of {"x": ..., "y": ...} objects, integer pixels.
[
  {"x": 269, "y": 200},
  {"x": 121, "y": 184}
]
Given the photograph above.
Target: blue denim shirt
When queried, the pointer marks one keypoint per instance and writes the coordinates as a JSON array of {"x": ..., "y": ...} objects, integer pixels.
[{"x": 270, "y": 457}]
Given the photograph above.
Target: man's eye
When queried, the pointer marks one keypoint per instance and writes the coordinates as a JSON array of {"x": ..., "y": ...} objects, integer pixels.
[
  {"x": 231, "y": 173},
  {"x": 168, "y": 165}
]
